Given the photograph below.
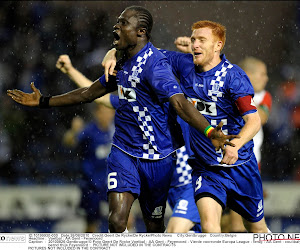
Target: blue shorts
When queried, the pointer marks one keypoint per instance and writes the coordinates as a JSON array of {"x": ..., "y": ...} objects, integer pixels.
[
  {"x": 239, "y": 188},
  {"x": 181, "y": 200},
  {"x": 148, "y": 179},
  {"x": 90, "y": 200}
]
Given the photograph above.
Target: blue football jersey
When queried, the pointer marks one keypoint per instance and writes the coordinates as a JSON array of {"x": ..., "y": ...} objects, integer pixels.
[
  {"x": 145, "y": 122},
  {"x": 95, "y": 145},
  {"x": 213, "y": 93},
  {"x": 182, "y": 172}
]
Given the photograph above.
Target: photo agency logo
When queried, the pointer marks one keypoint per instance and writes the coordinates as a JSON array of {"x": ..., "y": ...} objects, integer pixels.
[
  {"x": 274, "y": 237},
  {"x": 12, "y": 238}
]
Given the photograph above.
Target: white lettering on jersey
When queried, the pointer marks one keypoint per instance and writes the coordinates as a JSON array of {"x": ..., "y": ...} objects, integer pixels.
[
  {"x": 126, "y": 93},
  {"x": 259, "y": 208},
  {"x": 205, "y": 108}
]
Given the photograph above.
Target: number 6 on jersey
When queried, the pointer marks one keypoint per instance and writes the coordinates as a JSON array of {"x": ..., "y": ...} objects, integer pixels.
[{"x": 111, "y": 181}]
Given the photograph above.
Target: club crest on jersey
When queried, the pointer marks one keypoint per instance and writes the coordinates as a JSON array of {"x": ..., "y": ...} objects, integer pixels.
[
  {"x": 205, "y": 108},
  {"x": 126, "y": 93}
]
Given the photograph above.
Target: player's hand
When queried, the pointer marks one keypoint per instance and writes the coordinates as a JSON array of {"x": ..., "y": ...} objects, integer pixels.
[
  {"x": 109, "y": 63},
  {"x": 230, "y": 155},
  {"x": 77, "y": 124},
  {"x": 219, "y": 139},
  {"x": 64, "y": 63},
  {"x": 183, "y": 43},
  {"x": 26, "y": 99}
]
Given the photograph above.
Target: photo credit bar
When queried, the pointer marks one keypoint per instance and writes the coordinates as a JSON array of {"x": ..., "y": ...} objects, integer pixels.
[{"x": 265, "y": 237}]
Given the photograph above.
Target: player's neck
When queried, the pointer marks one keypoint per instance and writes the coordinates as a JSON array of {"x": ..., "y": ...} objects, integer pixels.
[
  {"x": 133, "y": 50},
  {"x": 208, "y": 66}
]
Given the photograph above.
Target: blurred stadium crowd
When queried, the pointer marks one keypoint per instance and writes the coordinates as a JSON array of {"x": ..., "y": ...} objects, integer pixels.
[{"x": 32, "y": 36}]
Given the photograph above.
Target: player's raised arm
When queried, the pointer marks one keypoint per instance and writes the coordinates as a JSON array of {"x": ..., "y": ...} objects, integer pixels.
[{"x": 65, "y": 65}]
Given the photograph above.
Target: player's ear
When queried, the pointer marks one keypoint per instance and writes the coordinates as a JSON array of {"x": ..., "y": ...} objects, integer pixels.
[
  {"x": 141, "y": 32},
  {"x": 218, "y": 46}
]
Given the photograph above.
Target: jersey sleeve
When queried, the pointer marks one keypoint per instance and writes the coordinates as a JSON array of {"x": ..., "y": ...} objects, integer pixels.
[
  {"x": 111, "y": 85},
  {"x": 174, "y": 59},
  {"x": 242, "y": 92},
  {"x": 162, "y": 80},
  {"x": 114, "y": 100}
]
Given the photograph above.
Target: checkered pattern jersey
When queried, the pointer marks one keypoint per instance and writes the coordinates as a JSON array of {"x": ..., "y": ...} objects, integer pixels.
[
  {"x": 214, "y": 94},
  {"x": 143, "y": 121}
]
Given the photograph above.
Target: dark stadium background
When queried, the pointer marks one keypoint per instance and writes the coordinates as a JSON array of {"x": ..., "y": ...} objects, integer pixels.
[{"x": 37, "y": 174}]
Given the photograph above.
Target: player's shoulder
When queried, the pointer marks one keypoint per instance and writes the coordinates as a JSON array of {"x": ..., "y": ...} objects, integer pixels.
[
  {"x": 180, "y": 62},
  {"x": 237, "y": 71},
  {"x": 164, "y": 53},
  {"x": 230, "y": 68},
  {"x": 154, "y": 55},
  {"x": 188, "y": 57},
  {"x": 237, "y": 74},
  {"x": 155, "y": 51},
  {"x": 235, "y": 77}
]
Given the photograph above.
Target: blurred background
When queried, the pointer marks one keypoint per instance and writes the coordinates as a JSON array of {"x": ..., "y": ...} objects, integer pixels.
[{"x": 38, "y": 174}]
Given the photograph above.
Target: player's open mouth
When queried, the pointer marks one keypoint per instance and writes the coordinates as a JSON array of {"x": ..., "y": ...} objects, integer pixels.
[
  {"x": 197, "y": 54},
  {"x": 116, "y": 38}
]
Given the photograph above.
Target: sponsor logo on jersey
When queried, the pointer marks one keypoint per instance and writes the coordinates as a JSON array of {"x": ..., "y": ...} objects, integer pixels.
[
  {"x": 157, "y": 213},
  {"x": 205, "y": 108},
  {"x": 126, "y": 93}
]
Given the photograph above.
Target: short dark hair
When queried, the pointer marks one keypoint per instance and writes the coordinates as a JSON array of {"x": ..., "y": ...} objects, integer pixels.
[{"x": 144, "y": 18}]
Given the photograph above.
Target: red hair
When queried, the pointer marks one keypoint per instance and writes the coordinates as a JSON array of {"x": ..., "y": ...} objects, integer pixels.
[{"x": 218, "y": 29}]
